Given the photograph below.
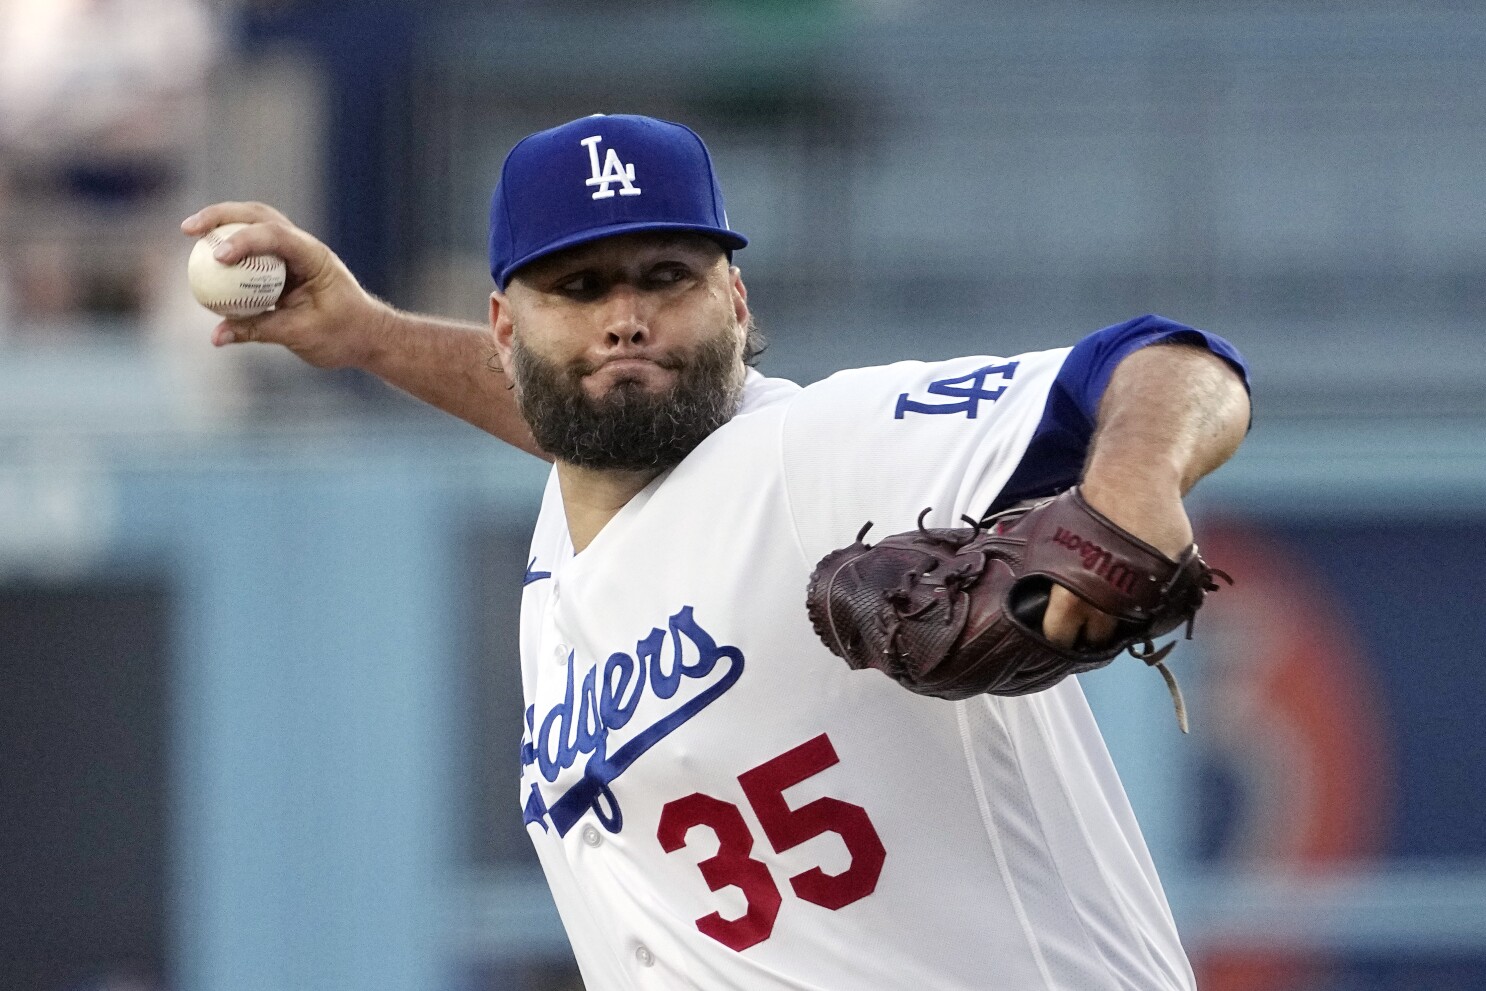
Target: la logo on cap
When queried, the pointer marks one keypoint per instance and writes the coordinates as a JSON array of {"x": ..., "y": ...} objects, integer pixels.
[{"x": 613, "y": 171}]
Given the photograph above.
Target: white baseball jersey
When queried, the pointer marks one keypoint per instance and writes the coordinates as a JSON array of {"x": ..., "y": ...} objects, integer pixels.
[{"x": 720, "y": 802}]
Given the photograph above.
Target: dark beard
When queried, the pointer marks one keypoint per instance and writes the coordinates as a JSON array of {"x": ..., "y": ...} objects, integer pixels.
[{"x": 629, "y": 428}]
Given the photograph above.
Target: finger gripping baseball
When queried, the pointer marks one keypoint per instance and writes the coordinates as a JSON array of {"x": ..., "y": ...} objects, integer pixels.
[{"x": 958, "y": 612}]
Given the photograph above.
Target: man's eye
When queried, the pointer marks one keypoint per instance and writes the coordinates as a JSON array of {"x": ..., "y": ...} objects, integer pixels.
[
  {"x": 582, "y": 285},
  {"x": 668, "y": 274}
]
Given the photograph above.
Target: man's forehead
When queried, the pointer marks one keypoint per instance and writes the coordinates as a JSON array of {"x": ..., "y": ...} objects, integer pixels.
[{"x": 622, "y": 248}]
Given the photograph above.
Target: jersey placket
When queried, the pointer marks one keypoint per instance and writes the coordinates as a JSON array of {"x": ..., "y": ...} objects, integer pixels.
[{"x": 650, "y": 958}]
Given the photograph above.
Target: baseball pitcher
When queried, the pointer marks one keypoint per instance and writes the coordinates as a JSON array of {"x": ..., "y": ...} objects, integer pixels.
[{"x": 717, "y": 798}]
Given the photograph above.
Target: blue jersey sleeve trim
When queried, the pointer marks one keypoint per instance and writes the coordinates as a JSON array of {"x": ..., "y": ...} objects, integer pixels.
[{"x": 1055, "y": 457}]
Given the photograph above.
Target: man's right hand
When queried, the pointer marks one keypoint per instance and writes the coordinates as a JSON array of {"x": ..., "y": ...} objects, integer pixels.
[
  {"x": 326, "y": 318},
  {"x": 323, "y": 316}
]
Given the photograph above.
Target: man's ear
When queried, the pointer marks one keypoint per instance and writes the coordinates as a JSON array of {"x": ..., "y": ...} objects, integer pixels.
[
  {"x": 501, "y": 327},
  {"x": 740, "y": 296}
]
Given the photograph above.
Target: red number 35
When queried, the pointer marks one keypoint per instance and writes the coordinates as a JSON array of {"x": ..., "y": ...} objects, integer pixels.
[{"x": 786, "y": 829}]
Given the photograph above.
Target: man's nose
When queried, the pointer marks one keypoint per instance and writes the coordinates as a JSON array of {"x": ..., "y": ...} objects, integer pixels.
[{"x": 626, "y": 317}]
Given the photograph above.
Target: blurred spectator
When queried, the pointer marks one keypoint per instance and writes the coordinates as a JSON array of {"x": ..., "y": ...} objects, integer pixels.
[{"x": 101, "y": 112}]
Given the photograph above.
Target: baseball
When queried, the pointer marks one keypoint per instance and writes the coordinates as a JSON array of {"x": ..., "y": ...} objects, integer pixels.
[{"x": 246, "y": 289}]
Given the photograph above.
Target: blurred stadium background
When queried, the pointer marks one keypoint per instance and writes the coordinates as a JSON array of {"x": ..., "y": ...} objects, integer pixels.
[{"x": 259, "y": 709}]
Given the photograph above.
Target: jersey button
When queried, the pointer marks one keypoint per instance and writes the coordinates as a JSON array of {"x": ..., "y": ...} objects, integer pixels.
[
  {"x": 644, "y": 956},
  {"x": 560, "y": 653},
  {"x": 591, "y": 835}
]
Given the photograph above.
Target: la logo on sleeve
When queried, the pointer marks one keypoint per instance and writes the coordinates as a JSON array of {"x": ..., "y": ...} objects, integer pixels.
[
  {"x": 961, "y": 394},
  {"x": 612, "y": 171}
]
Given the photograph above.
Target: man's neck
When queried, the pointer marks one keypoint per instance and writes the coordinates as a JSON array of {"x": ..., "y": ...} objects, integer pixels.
[{"x": 592, "y": 497}]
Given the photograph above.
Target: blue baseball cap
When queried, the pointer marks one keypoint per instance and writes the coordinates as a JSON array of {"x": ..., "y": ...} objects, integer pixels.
[{"x": 598, "y": 176}]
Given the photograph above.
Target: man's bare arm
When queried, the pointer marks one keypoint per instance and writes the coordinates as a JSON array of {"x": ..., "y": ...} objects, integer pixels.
[
  {"x": 452, "y": 366},
  {"x": 326, "y": 318},
  {"x": 1170, "y": 415}
]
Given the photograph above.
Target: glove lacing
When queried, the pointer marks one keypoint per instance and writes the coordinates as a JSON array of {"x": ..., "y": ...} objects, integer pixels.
[
  {"x": 951, "y": 581},
  {"x": 1146, "y": 649}
]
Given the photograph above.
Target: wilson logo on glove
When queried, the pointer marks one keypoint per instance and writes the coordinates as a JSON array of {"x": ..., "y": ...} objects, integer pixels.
[{"x": 1098, "y": 560}]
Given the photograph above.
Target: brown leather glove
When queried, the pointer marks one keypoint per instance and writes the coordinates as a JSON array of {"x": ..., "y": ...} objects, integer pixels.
[{"x": 955, "y": 613}]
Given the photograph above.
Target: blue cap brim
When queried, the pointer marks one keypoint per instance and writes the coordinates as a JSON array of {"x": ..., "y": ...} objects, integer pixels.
[{"x": 730, "y": 240}]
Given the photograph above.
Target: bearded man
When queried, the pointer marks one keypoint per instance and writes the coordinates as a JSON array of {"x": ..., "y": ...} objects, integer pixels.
[{"x": 717, "y": 801}]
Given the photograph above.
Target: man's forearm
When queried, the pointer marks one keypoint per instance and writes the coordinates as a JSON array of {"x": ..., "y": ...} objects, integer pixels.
[
  {"x": 1170, "y": 415},
  {"x": 449, "y": 365}
]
